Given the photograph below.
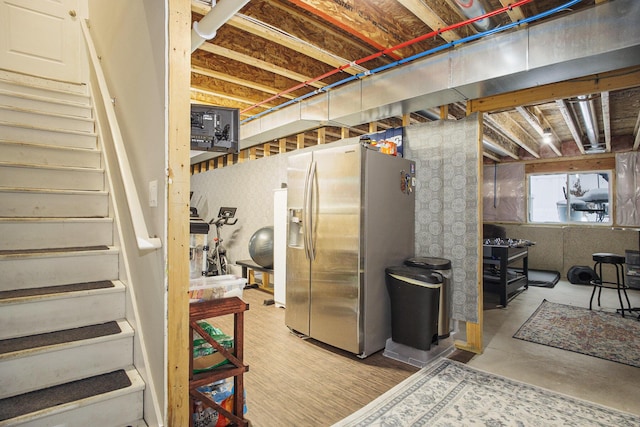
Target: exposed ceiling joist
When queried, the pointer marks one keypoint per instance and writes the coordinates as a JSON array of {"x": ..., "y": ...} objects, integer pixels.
[
  {"x": 534, "y": 122},
  {"x": 606, "y": 119},
  {"x": 636, "y": 134},
  {"x": 515, "y": 132},
  {"x": 490, "y": 156},
  {"x": 423, "y": 11},
  {"x": 554, "y": 140},
  {"x": 270, "y": 49},
  {"x": 515, "y": 14},
  {"x": 233, "y": 79},
  {"x": 573, "y": 128},
  {"x": 263, "y": 65}
]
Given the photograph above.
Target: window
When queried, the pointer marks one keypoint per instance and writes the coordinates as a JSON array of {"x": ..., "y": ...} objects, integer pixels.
[{"x": 570, "y": 198}]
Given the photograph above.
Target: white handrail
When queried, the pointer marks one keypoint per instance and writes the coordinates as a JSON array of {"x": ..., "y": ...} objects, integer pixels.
[{"x": 145, "y": 242}]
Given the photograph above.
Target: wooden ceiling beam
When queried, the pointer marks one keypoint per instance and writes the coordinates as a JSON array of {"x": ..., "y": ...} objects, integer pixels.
[
  {"x": 254, "y": 62},
  {"x": 236, "y": 80},
  {"x": 535, "y": 123},
  {"x": 426, "y": 14},
  {"x": 554, "y": 141},
  {"x": 245, "y": 23},
  {"x": 515, "y": 14},
  {"x": 499, "y": 146},
  {"x": 606, "y": 119},
  {"x": 614, "y": 80},
  {"x": 573, "y": 128},
  {"x": 513, "y": 129},
  {"x": 208, "y": 91},
  {"x": 491, "y": 156},
  {"x": 636, "y": 134}
]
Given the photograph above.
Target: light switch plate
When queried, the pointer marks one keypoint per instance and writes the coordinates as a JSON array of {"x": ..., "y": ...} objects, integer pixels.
[{"x": 153, "y": 194}]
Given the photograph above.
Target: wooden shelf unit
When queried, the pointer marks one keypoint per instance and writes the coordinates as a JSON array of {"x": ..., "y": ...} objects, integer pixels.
[{"x": 235, "y": 368}]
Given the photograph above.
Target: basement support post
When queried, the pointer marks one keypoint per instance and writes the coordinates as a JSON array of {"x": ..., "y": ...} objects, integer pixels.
[
  {"x": 474, "y": 330},
  {"x": 177, "y": 241}
]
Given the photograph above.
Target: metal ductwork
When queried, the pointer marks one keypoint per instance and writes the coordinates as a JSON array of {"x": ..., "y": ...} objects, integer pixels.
[
  {"x": 475, "y": 8},
  {"x": 206, "y": 28},
  {"x": 536, "y": 55},
  {"x": 587, "y": 111}
]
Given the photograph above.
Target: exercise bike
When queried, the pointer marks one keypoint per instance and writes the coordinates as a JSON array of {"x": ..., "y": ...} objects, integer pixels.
[{"x": 217, "y": 257}]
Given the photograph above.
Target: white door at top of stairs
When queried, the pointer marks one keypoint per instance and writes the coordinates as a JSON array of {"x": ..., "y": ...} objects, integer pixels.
[{"x": 41, "y": 38}]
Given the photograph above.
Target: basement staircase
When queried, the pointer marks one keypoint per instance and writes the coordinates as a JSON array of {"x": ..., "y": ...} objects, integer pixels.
[{"x": 66, "y": 350}]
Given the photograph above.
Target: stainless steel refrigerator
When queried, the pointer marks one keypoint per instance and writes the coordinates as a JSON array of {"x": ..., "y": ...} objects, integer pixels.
[{"x": 350, "y": 214}]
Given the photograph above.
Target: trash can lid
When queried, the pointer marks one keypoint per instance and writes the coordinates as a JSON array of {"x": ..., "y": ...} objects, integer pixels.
[
  {"x": 429, "y": 263},
  {"x": 415, "y": 273}
]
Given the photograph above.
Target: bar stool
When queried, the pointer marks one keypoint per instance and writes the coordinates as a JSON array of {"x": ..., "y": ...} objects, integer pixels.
[{"x": 618, "y": 262}]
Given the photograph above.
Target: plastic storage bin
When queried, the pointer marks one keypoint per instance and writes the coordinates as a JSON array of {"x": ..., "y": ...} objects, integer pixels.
[
  {"x": 213, "y": 287},
  {"x": 443, "y": 267},
  {"x": 414, "y": 294}
]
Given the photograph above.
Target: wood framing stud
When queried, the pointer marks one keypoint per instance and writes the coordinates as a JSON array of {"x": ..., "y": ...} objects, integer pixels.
[{"x": 322, "y": 136}]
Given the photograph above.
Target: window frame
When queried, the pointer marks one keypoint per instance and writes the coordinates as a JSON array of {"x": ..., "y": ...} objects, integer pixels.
[{"x": 568, "y": 173}]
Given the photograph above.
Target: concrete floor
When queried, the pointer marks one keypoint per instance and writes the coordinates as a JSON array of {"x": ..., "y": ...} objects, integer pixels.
[{"x": 608, "y": 383}]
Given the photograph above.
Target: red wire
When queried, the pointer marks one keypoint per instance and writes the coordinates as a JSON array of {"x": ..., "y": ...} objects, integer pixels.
[{"x": 389, "y": 50}]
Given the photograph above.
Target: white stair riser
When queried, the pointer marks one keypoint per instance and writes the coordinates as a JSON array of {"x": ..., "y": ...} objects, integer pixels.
[
  {"x": 54, "y": 205},
  {"x": 76, "y": 94},
  {"x": 47, "y": 369},
  {"x": 32, "y": 118},
  {"x": 18, "y": 176},
  {"x": 45, "y": 105},
  {"x": 13, "y": 132},
  {"x": 54, "y": 314},
  {"x": 42, "y": 234},
  {"x": 36, "y": 154},
  {"x": 27, "y": 271},
  {"x": 122, "y": 407}
]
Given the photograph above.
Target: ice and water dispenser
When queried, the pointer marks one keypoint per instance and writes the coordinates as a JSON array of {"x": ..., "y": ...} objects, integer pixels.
[{"x": 295, "y": 238}]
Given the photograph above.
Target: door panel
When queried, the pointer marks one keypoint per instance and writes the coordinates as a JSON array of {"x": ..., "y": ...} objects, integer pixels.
[
  {"x": 335, "y": 295},
  {"x": 40, "y": 38},
  {"x": 298, "y": 267}
]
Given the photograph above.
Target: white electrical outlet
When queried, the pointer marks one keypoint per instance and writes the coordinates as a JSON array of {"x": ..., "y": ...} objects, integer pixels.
[{"x": 153, "y": 194}]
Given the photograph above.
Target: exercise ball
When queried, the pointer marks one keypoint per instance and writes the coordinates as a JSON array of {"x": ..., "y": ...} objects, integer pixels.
[{"x": 261, "y": 247}]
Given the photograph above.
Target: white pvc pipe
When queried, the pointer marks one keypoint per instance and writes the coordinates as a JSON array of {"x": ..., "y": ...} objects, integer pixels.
[{"x": 207, "y": 27}]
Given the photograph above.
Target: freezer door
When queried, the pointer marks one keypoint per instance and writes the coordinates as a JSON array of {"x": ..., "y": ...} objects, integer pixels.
[
  {"x": 298, "y": 264},
  {"x": 335, "y": 271}
]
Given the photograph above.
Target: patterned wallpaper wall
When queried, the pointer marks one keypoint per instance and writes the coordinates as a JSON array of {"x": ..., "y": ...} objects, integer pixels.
[
  {"x": 447, "y": 172},
  {"x": 249, "y": 188}
]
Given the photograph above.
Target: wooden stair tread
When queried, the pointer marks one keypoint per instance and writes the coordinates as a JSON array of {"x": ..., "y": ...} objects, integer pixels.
[
  {"x": 27, "y": 403},
  {"x": 47, "y": 290},
  {"x": 59, "y": 337}
]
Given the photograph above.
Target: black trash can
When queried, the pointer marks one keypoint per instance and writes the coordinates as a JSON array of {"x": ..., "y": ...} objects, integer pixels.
[
  {"x": 442, "y": 266},
  {"x": 414, "y": 294}
]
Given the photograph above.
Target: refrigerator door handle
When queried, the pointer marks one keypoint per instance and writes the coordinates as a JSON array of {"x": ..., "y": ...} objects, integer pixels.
[
  {"x": 305, "y": 208},
  {"x": 312, "y": 221}
]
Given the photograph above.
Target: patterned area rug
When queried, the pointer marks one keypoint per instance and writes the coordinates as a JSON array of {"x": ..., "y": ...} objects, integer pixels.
[
  {"x": 595, "y": 333},
  {"x": 448, "y": 393}
]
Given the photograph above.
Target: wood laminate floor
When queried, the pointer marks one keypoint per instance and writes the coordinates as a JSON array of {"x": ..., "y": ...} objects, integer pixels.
[
  {"x": 297, "y": 382},
  {"x": 301, "y": 382}
]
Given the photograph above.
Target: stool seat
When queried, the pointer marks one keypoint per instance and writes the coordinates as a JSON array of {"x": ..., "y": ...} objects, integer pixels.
[
  {"x": 608, "y": 258},
  {"x": 617, "y": 261}
]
